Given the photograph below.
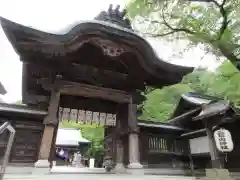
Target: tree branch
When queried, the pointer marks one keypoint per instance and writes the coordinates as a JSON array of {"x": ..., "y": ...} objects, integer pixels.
[
  {"x": 160, "y": 35},
  {"x": 223, "y": 13},
  {"x": 172, "y": 28},
  {"x": 165, "y": 23}
]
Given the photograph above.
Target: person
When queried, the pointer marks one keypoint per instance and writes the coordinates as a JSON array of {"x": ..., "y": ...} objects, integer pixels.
[{"x": 70, "y": 160}]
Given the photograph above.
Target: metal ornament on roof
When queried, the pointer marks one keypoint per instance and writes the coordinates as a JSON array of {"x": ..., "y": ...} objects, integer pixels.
[{"x": 223, "y": 139}]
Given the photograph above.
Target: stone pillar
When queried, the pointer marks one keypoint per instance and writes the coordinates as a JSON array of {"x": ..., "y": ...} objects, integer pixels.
[
  {"x": 51, "y": 122},
  {"x": 119, "y": 168},
  {"x": 134, "y": 154}
]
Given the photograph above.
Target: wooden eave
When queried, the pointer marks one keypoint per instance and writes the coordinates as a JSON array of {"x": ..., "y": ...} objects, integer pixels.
[
  {"x": 159, "y": 125},
  {"x": 194, "y": 134},
  {"x": 218, "y": 108},
  {"x": 191, "y": 100},
  {"x": 27, "y": 41},
  {"x": 185, "y": 117},
  {"x": 20, "y": 110}
]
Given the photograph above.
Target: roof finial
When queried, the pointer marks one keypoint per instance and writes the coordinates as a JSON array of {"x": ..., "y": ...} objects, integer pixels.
[{"x": 115, "y": 16}]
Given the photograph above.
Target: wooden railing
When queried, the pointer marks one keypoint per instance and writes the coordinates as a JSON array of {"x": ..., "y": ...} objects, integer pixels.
[
  {"x": 5, "y": 159},
  {"x": 159, "y": 144}
]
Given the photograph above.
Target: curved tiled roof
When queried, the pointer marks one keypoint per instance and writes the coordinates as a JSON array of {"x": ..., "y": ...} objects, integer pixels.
[{"x": 70, "y": 137}]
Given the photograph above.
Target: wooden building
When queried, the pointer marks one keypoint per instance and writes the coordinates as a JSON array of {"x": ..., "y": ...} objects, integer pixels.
[
  {"x": 181, "y": 145},
  {"x": 99, "y": 66},
  {"x": 29, "y": 129},
  {"x": 201, "y": 115}
]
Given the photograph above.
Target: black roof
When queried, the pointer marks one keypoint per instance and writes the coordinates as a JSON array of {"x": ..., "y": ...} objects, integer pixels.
[
  {"x": 194, "y": 106},
  {"x": 20, "y": 109},
  {"x": 111, "y": 25},
  {"x": 159, "y": 125}
]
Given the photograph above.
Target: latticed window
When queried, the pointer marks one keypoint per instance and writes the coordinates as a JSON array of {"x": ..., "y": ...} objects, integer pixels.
[{"x": 157, "y": 144}]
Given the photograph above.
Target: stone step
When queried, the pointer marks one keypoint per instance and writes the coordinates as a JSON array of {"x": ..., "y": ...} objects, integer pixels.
[{"x": 93, "y": 177}]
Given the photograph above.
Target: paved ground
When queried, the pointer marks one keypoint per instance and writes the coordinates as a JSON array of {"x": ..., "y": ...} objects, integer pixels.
[{"x": 93, "y": 177}]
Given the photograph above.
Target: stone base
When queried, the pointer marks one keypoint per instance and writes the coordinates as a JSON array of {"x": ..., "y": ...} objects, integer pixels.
[
  {"x": 120, "y": 169},
  {"x": 77, "y": 164},
  {"x": 42, "y": 167},
  {"x": 136, "y": 169},
  {"x": 217, "y": 174}
]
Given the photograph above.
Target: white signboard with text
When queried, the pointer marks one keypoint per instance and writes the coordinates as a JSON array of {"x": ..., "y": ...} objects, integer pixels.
[
  {"x": 223, "y": 139},
  {"x": 199, "y": 145}
]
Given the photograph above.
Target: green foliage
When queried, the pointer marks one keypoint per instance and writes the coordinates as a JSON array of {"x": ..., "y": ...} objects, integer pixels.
[
  {"x": 161, "y": 102},
  {"x": 224, "y": 83},
  {"x": 93, "y": 133},
  {"x": 212, "y": 23}
]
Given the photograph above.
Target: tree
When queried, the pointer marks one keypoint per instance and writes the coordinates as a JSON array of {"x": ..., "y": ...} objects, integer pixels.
[
  {"x": 215, "y": 24},
  {"x": 223, "y": 83},
  {"x": 160, "y": 103}
]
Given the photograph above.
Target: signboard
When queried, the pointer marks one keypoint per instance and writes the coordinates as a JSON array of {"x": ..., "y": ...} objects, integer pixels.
[
  {"x": 223, "y": 140},
  {"x": 199, "y": 145}
]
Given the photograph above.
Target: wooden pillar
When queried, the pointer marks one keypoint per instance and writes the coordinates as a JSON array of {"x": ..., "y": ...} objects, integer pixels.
[
  {"x": 53, "y": 147},
  {"x": 51, "y": 123},
  {"x": 215, "y": 159},
  {"x": 190, "y": 158},
  {"x": 119, "y": 168},
  {"x": 134, "y": 154}
]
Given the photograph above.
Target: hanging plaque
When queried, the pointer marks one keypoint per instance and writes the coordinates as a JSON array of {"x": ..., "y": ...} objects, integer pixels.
[
  {"x": 81, "y": 116},
  {"x": 89, "y": 117},
  {"x": 73, "y": 115},
  {"x": 114, "y": 117},
  {"x": 60, "y": 110},
  {"x": 223, "y": 140},
  {"x": 65, "y": 114},
  {"x": 109, "y": 120},
  {"x": 102, "y": 118},
  {"x": 95, "y": 118}
]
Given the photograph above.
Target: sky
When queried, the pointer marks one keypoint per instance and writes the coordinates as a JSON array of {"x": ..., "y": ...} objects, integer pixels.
[{"x": 52, "y": 15}]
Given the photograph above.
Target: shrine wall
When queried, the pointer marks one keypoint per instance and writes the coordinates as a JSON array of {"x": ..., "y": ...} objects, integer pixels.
[
  {"x": 27, "y": 140},
  {"x": 161, "y": 148},
  {"x": 158, "y": 148}
]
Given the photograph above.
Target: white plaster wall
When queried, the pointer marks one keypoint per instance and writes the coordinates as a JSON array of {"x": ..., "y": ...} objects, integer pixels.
[{"x": 199, "y": 145}]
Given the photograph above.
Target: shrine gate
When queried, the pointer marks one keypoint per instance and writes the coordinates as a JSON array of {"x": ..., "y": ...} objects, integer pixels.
[{"x": 97, "y": 70}]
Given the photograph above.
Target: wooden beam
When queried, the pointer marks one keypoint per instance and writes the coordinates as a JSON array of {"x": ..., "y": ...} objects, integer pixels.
[
  {"x": 178, "y": 118},
  {"x": 79, "y": 72},
  {"x": 193, "y": 132},
  {"x": 85, "y": 90},
  {"x": 79, "y": 89}
]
